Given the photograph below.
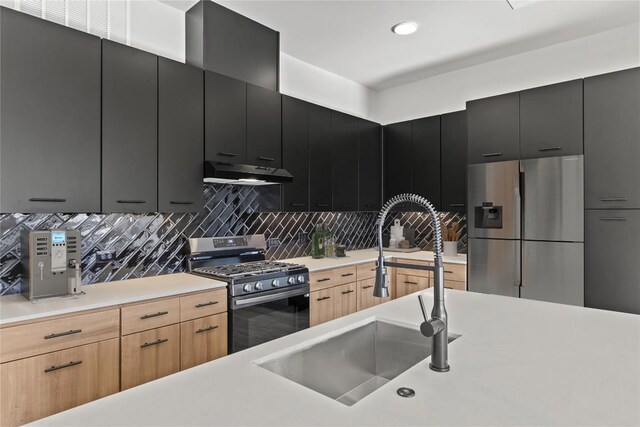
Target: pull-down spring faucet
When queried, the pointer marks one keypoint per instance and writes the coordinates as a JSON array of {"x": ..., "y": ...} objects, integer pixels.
[{"x": 436, "y": 326}]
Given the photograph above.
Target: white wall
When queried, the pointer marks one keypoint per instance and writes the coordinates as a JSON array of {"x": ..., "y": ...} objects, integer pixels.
[
  {"x": 600, "y": 53},
  {"x": 157, "y": 28}
]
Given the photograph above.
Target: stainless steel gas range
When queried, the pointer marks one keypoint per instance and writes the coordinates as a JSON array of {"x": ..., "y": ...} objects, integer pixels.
[{"x": 267, "y": 299}]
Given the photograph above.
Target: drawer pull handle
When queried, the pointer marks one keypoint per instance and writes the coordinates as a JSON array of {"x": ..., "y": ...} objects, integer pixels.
[
  {"x": 447, "y": 271},
  {"x": 324, "y": 280},
  {"x": 367, "y": 287},
  {"x": 66, "y": 365},
  {"x": 41, "y": 199},
  {"x": 205, "y": 304},
  {"x": 347, "y": 274},
  {"x": 63, "y": 334},
  {"x": 322, "y": 299},
  {"x": 613, "y": 218},
  {"x": 182, "y": 203},
  {"x": 210, "y": 328},
  {"x": 297, "y": 204},
  {"x": 267, "y": 159},
  {"x": 149, "y": 316},
  {"x": 448, "y": 287},
  {"x": 457, "y": 205},
  {"x": 410, "y": 283},
  {"x": 149, "y": 344},
  {"x": 223, "y": 154},
  {"x": 131, "y": 201},
  {"x": 491, "y": 154},
  {"x": 614, "y": 199},
  {"x": 347, "y": 292},
  {"x": 322, "y": 205},
  {"x": 550, "y": 149}
]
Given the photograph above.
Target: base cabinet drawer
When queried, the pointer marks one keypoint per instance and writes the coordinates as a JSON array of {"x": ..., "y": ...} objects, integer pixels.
[
  {"x": 406, "y": 284},
  {"x": 448, "y": 284},
  {"x": 203, "y": 340},
  {"x": 40, "y": 386},
  {"x": 321, "y": 307},
  {"x": 344, "y": 275},
  {"x": 150, "y": 355},
  {"x": 203, "y": 304},
  {"x": 413, "y": 272},
  {"x": 366, "y": 270},
  {"x": 455, "y": 272},
  {"x": 150, "y": 315},
  {"x": 321, "y": 280}
]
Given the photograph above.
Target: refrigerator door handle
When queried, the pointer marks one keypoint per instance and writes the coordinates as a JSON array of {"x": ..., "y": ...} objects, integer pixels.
[{"x": 520, "y": 265}]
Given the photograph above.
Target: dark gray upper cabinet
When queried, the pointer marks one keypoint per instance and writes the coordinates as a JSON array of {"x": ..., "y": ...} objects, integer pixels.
[
  {"x": 50, "y": 121},
  {"x": 264, "y": 127},
  {"x": 129, "y": 129},
  {"x": 319, "y": 159},
  {"x": 612, "y": 140},
  {"x": 221, "y": 40},
  {"x": 225, "y": 109},
  {"x": 397, "y": 159},
  {"x": 453, "y": 150},
  {"x": 494, "y": 128},
  {"x": 369, "y": 166},
  {"x": 612, "y": 251},
  {"x": 425, "y": 159},
  {"x": 551, "y": 120},
  {"x": 344, "y": 164},
  {"x": 180, "y": 137},
  {"x": 295, "y": 153}
]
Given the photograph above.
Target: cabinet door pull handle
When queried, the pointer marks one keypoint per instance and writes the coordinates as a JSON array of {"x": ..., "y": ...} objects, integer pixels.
[
  {"x": 613, "y": 218},
  {"x": 347, "y": 274},
  {"x": 66, "y": 365},
  {"x": 63, "y": 334},
  {"x": 210, "y": 328},
  {"x": 410, "y": 283},
  {"x": 447, "y": 271},
  {"x": 367, "y": 287},
  {"x": 322, "y": 299},
  {"x": 149, "y": 316},
  {"x": 205, "y": 304},
  {"x": 550, "y": 149},
  {"x": 491, "y": 154},
  {"x": 45, "y": 199},
  {"x": 614, "y": 199},
  {"x": 347, "y": 292},
  {"x": 182, "y": 203},
  {"x": 324, "y": 280},
  {"x": 322, "y": 205},
  {"x": 267, "y": 159},
  {"x": 297, "y": 204},
  {"x": 223, "y": 154},
  {"x": 457, "y": 205},
  {"x": 149, "y": 344},
  {"x": 131, "y": 201}
]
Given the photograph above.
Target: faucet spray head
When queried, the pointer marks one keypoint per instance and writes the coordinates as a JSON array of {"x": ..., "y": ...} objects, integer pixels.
[{"x": 381, "y": 289}]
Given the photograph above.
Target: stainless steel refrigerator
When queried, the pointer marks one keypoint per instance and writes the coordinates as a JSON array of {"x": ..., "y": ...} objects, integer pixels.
[{"x": 526, "y": 229}]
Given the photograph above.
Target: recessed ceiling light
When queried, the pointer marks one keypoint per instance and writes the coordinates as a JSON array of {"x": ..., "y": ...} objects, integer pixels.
[{"x": 405, "y": 28}]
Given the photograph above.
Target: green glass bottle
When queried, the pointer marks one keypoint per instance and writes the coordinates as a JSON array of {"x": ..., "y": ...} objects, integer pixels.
[{"x": 317, "y": 247}]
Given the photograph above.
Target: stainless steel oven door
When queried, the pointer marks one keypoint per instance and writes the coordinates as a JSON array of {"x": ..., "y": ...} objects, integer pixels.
[{"x": 256, "y": 319}]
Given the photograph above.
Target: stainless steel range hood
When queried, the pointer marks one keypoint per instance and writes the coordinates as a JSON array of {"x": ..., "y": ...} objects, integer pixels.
[{"x": 235, "y": 173}]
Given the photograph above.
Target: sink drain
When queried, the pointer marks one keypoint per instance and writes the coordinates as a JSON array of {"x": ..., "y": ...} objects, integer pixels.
[{"x": 406, "y": 392}]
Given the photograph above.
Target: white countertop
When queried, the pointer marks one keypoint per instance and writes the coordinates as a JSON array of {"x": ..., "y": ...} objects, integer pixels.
[
  {"x": 15, "y": 308},
  {"x": 518, "y": 362},
  {"x": 368, "y": 255}
]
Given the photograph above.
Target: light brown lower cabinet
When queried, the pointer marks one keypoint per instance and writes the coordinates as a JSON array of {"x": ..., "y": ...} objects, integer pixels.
[
  {"x": 203, "y": 340},
  {"x": 365, "y": 294},
  {"x": 345, "y": 297},
  {"x": 406, "y": 284},
  {"x": 40, "y": 386},
  {"x": 149, "y": 355},
  {"x": 321, "y": 306}
]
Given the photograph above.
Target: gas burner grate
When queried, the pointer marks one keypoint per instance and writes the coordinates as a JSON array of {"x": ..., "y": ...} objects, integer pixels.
[{"x": 246, "y": 269}]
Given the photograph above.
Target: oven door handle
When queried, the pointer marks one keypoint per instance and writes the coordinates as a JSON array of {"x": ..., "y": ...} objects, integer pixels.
[{"x": 270, "y": 298}]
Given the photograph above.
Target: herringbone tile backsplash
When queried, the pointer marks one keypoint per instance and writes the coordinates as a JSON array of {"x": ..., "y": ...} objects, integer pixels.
[{"x": 154, "y": 243}]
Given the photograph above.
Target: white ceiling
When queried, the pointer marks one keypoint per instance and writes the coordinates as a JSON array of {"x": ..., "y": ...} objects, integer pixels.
[{"x": 353, "y": 38}]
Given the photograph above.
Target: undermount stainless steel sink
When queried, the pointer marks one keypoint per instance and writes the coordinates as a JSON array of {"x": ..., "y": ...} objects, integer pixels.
[{"x": 349, "y": 366}]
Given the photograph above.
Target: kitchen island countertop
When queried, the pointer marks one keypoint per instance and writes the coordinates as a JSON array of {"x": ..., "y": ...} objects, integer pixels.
[{"x": 517, "y": 362}]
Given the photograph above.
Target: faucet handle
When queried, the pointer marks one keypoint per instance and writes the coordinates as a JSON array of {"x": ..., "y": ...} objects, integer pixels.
[
  {"x": 431, "y": 327},
  {"x": 423, "y": 308}
]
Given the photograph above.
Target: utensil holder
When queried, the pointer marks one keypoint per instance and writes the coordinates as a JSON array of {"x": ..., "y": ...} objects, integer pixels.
[{"x": 450, "y": 248}]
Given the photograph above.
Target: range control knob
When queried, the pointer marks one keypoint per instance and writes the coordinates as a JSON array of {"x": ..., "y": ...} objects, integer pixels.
[
  {"x": 291, "y": 280},
  {"x": 246, "y": 288},
  {"x": 275, "y": 283},
  {"x": 258, "y": 286},
  {"x": 301, "y": 279}
]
